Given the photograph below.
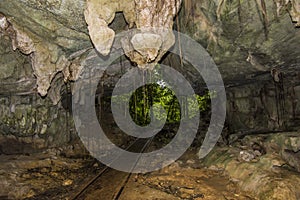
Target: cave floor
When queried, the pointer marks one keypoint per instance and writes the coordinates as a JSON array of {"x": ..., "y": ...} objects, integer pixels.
[
  {"x": 267, "y": 166},
  {"x": 264, "y": 165},
  {"x": 184, "y": 179},
  {"x": 51, "y": 176}
]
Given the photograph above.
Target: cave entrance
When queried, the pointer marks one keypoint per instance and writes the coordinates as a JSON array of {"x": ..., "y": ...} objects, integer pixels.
[{"x": 145, "y": 104}]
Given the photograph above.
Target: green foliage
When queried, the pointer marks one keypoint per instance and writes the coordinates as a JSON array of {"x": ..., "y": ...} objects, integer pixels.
[
  {"x": 159, "y": 98},
  {"x": 160, "y": 102}
]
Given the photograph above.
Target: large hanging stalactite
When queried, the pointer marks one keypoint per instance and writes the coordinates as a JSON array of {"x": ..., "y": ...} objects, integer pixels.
[
  {"x": 46, "y": 58},
  {"x": 152, "y": 18}
]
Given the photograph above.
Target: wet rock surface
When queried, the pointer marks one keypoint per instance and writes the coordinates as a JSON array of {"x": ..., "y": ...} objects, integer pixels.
[
  {"x": 44, "y": 46},
  {"x": 52, "y": 174},
  {"x": 224, "y": 174},
  {"x": 55, "y": 174},
  {"x": 184, "y": 180},
  {"x": 271, "y": 173},
  {"x": 244, "y": 38},
  {"x": 263, "y": 106}
]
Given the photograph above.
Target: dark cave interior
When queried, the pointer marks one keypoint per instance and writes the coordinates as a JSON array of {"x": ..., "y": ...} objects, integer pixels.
[{"x": 60, "y": 58}]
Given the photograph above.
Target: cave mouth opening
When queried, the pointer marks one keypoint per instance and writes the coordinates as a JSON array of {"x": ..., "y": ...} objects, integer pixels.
[{"x": 142, "y": 107}]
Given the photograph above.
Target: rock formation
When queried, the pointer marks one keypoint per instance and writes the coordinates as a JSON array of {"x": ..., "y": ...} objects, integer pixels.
[
  {"x": 152, "y": 18},
  {"x": 44, "y": 45}
]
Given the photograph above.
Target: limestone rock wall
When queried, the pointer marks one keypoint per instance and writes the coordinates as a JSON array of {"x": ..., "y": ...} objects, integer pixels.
[
  {"x": 57, "y": 29},
  {"x": 251, "y": 41},
  {"x": 245, "y": 37},
  {"x": 293, "y": 7},
  {"x": 46, "y": 32},
  {"x": 29, "y": 124},
  {"x": 43, "y": 44},
  {"x": 263, "y": 107}
]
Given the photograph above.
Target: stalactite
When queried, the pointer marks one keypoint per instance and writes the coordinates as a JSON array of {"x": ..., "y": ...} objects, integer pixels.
[
  {"x": 179, "y": 38},
  {"x": 240, "y": 14},
  {"x": 221, "y": 4},
  {"x": 263, "y": 11},
  {"x": 188, "y": 7},
  {"x": 294, "y": 102},
  {"x": 265, "y": 18},
  {"x": 67, "y": 112},
  {"x": 153, "y": 19},
  {"x": 279, "y": 95},
  {"x": 275, "y": 12}
]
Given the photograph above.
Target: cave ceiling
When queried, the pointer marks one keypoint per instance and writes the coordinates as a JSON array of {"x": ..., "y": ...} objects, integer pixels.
[{"x": 246, "y": 39}]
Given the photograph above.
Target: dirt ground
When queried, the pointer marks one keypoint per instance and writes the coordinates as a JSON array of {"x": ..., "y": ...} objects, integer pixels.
[
  {"x": 50, "y": 176},
  {"x": 184, "y": 179}
]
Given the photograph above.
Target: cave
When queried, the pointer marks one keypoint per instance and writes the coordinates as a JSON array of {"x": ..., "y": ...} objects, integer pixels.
[{"x": 150, "y": 99}]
